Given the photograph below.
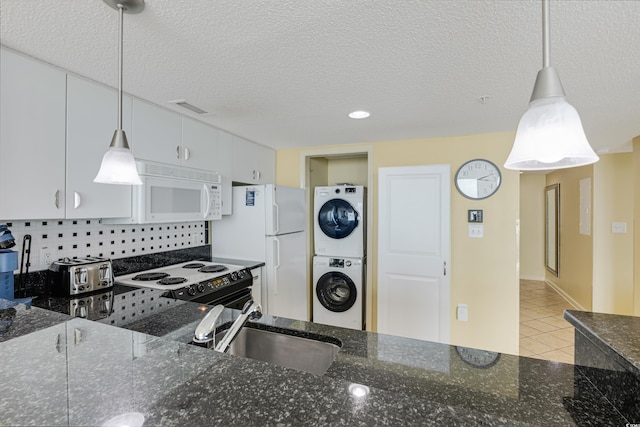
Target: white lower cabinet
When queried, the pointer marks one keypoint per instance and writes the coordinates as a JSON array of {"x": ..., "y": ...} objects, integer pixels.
[
  {"x": 91, "y": 121},
  {"x": 32, "y": 138}
]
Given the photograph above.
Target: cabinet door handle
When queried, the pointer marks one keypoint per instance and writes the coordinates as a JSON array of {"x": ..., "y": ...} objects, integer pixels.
[
  {"x": 257, "y": 174},
  {"x": 76, "y": 200},
  {"x": 178, "y": 152},
  {"x": 56, "y": 199},
  {"x": 187, "y": 153},
  {"x": 59, "y": 346},
  {"x": 445, "y": 268},
  {"x": 77, "y": 336}
]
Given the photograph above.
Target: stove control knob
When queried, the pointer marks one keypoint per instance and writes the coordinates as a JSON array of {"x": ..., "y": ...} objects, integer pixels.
[
  {"x": 234, "y": 276},
  {"x": 241, "y": 274},
  {"x": 191, "y": 290},
  {"x": 200, "y": 287}
]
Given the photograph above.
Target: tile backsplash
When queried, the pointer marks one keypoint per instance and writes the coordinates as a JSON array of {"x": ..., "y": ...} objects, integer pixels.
[{"x": 55, "y": 239}]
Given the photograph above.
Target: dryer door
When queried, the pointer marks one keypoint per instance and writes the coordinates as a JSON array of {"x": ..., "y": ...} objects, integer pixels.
[
  {"x": 337, "y": 218},
  {"x": 336, "y": 291}
]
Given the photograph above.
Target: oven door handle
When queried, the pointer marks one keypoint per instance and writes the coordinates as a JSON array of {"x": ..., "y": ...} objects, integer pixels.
[{"x": 276, "y": 264}]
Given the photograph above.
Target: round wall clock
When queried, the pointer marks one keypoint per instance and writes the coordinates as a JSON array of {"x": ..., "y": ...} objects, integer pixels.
[{"x": 478, "y": 179}]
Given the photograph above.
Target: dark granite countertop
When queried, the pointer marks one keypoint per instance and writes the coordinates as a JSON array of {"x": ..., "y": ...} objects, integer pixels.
[
  {"x": 617, "y": 335},
  {"x": 147, "y": 367}
]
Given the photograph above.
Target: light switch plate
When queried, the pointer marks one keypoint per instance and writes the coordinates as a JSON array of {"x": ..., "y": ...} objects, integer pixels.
[
  {"x": 476, "y": 231},
  {"x": 463, "y": 312}
]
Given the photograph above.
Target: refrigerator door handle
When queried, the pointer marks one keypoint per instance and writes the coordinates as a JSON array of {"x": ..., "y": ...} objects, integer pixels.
[
  {"x": 276, "y": 264},
  {"x": 276, "y": 218}
]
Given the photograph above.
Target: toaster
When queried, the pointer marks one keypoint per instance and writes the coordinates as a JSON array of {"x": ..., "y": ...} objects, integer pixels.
[{"x": 69, "y": 277}]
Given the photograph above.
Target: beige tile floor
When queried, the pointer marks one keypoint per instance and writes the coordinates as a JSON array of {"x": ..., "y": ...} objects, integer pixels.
[{"x": 544, "y": 334}]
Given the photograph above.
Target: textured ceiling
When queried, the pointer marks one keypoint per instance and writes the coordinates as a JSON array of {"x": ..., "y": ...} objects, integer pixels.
[{"x": 285, "y": 73}]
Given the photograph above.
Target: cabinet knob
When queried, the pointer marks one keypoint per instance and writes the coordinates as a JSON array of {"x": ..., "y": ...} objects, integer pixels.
[{"x": 76, "y": 200}]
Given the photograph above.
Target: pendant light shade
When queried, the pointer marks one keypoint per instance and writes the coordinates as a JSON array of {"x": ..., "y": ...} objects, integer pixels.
[
  {"x": 118, "y": 164},
  {"x": 550, "y": 133}
]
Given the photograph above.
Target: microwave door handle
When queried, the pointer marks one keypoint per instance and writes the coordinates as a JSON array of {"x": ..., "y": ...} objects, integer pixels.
[{"x": 207, "y": 201}]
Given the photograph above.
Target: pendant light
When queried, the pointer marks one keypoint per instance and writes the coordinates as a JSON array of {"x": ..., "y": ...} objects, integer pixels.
[
  {"x": 550, "y": 134},
  {"x": 118, "y": 165}
]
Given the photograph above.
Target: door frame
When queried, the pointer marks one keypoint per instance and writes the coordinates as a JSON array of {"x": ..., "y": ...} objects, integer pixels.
[{"x": 341, "y": 152}]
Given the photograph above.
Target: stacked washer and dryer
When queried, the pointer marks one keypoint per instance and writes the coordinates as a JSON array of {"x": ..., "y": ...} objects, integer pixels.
[{"x": 340, "y": 255}]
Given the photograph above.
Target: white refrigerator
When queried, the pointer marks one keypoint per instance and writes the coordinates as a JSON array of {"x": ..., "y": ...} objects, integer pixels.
[{"x": 267, "y": 224}]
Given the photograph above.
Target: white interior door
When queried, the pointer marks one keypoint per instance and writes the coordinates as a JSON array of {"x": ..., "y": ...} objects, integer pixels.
[{"x": 414, "y": 252}]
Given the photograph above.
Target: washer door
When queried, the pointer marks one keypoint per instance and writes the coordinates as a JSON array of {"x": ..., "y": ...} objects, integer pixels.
[
  {"x": 336, "y": 291},
  {"x": 337, "y": 218}
]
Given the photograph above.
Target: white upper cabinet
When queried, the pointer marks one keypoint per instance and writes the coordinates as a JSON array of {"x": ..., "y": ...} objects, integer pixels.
[
  {"x": 160, "y": 135},
  {"x": 225, "y": 168},
  {"x": 199, "y": 145},
  {"x": 91, "y": 120},
  {"x": 253, "y": 163},
  {"x": 265, "y": 161},
  {"x": 32, "y": 138},
  {"x": 156, "y": 135}
]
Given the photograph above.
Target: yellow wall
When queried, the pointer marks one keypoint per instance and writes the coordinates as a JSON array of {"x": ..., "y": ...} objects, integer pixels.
[
  {"x": 613, "y": 253},
  {"x": 352, "y": 170},
  {"x": 576, "y": 250},
  {"x": 532, "y": 226},
  {"x": 636, "y": 224},
  {"x": 484, "y": 272}
]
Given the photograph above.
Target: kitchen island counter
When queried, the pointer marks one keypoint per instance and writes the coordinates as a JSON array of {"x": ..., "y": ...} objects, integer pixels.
[{"x": 89, "y": 372}]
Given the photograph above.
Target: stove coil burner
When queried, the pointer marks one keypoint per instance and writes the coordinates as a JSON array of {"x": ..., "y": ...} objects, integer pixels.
[
  {"x": 193, "y": 265},
  {"x": 148, "y": 277},
  {"x": 213, "y": 269},
  {"x": 172, "y": 281}
]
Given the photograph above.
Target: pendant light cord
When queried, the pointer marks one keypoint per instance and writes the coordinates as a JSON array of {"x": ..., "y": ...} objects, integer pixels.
[
  {"x": 545, "y": 34},
  {"x": 120, "y": 44}
]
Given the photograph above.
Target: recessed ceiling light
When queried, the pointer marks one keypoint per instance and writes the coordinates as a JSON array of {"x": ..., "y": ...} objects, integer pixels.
[{"x": 359, "y": 114}]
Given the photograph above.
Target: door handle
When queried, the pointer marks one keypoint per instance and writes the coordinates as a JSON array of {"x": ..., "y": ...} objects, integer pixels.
[
  {"x": 178, "y": 152},
  {"x": 207, "y": 197},
  {"x": 76, "y": 200},
  {"x": 187, "y": 153},
  {"x": 56, "y": 199},
  {"x": 445, "y": 268}
]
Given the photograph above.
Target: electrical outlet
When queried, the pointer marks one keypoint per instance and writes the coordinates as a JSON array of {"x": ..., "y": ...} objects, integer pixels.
[
  {"x": 619, "y": 227},
  {"x": 46, "y": 257},
  {"x": 463, "y": 312},
  {"x": 476, "y": 231}
]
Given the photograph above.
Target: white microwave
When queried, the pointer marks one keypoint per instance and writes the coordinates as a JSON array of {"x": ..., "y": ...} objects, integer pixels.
[{"x": 173, "y": 194}]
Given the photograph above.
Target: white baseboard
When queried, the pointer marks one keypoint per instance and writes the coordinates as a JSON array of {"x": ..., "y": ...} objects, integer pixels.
[
  {"x": 538, "y": 278},
  {"x": 566, "y": 296}
]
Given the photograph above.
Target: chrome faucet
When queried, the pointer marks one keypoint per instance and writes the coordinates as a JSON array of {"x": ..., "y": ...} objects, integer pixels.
[{"x": 206, "y": 330}]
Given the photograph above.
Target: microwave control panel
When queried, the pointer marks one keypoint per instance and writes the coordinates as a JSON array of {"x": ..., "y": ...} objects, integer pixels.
[{"x": 215, "y": 202}]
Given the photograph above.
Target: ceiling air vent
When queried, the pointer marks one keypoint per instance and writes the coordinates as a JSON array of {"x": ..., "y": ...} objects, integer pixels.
[{"x": 185, "y": 104}]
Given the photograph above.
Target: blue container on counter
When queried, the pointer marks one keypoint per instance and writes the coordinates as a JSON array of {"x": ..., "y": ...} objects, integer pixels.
[{"x": 8, "y": 263}]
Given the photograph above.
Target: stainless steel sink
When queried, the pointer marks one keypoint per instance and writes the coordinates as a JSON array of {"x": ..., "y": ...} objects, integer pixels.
[{"x": 280, "y": 348}]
